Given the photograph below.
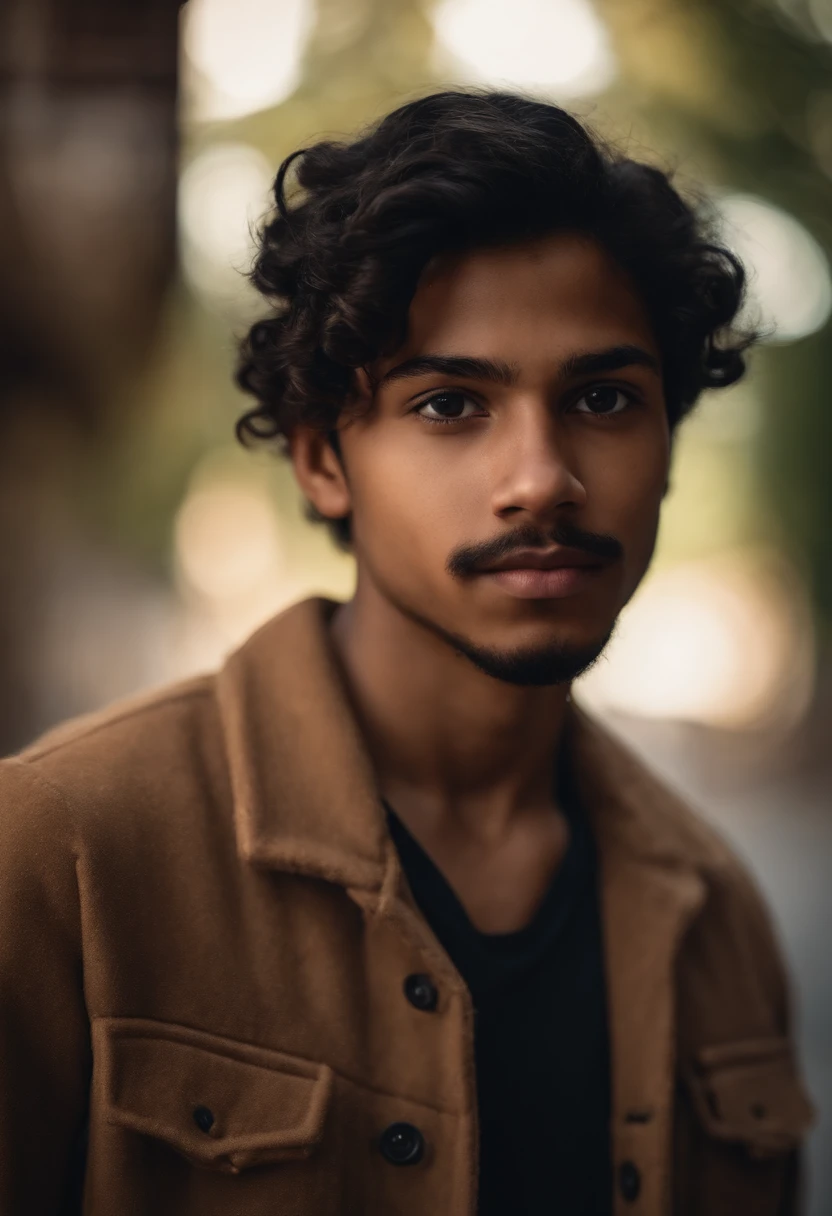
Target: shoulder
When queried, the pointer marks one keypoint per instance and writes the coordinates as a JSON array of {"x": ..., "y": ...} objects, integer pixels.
[{"x": 105, "y": 766}]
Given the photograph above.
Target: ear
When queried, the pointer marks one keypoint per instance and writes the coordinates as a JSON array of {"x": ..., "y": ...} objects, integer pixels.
[{"x": 320, "y": 472}]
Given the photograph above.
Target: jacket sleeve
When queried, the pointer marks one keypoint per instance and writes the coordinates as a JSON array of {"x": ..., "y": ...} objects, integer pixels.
[{"x": 44, "y": 1032}]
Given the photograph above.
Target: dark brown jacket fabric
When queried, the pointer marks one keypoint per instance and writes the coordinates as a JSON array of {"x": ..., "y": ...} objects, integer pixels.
[{"x": 204, "y": 939}]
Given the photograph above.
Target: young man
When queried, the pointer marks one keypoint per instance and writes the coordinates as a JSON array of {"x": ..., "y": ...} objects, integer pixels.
[{"x": 376, "y": 920}]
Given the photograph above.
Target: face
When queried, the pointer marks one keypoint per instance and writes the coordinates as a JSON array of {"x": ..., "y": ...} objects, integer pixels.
[{"x": 505, "y": 473}]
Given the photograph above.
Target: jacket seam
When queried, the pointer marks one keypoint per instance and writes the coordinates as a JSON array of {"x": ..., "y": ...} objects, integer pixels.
[
  {"x": 56, "y": 792},
  {"x": 60, "y": 795}
]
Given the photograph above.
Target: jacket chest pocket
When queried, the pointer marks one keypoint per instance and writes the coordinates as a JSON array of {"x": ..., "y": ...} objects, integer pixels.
[
  {"x": 222, "y": 1104},
  {"x": 749, "y": 1116}
]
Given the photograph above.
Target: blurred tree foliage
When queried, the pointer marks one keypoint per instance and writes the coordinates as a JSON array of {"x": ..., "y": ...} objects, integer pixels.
[{"x": 743, "y": 89}]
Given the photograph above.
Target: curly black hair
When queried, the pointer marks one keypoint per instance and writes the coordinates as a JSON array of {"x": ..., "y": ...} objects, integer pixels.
[{"x": 339, "y": 260}]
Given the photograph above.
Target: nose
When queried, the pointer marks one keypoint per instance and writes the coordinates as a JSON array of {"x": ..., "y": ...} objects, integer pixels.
[{"x": 534, "y": 469}]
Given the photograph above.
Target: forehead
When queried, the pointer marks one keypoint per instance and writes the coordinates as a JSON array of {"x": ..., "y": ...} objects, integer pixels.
[{"x": 555, "y": 294}]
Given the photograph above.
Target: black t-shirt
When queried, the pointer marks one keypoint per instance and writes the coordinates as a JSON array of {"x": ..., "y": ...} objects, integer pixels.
[{"x": 541, "y": 1037}]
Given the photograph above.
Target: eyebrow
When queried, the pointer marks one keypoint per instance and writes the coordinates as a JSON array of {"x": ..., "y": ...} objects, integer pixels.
[
  {"x": 495, "y": 371},
  {"x": 610, "y": 360},
  {"x": 466, "y": 367}
]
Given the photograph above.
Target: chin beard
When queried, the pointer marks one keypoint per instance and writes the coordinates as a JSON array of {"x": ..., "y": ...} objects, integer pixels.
[{"x": 554, "y": 664}]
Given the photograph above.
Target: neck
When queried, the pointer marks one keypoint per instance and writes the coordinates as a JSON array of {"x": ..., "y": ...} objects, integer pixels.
[{"x": 448, "y": 742}]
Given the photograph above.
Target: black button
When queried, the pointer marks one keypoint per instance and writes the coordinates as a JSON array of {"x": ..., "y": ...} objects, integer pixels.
[
  {"x": 420, "y": 990},
  {"x": 629, "y": 1181},
  {"x": 203, "y": 1118},
  {"x": 402, "y": 1144}
]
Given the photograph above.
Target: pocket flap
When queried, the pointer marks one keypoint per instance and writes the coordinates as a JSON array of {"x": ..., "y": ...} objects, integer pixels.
[
  {"x": 750, "y": 1091},
  {"x": 221, "y": 1103}
]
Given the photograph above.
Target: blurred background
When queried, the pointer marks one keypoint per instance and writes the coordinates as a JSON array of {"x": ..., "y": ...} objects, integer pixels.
[{"x": 138, "y": 543}]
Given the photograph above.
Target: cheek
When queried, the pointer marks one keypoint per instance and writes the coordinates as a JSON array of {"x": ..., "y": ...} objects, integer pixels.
[
  {"x": 412, "y": 507},
  {"x": 394, "y": 501},
  {"x": 628, "y": 494}
]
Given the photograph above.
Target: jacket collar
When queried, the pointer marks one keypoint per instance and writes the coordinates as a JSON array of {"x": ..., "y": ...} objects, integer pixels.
[
  {"x": 303, "y": 787},
  {"x": 305, "y": 798}
]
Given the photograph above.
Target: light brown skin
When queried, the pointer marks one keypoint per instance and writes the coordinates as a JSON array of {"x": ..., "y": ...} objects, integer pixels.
[{"x": 465, "y": 758}]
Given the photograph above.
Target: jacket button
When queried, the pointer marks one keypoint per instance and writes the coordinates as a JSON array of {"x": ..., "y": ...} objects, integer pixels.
[
  {"x": 402, "y": 1144},
  {"x": 629, "y": 1181},
  {"x": 203, "y": 1118},
  {"x": 420, "y": 990}
]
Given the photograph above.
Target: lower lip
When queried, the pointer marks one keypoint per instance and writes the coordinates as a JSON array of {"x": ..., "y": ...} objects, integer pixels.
[{"x": 529, "y": 584}]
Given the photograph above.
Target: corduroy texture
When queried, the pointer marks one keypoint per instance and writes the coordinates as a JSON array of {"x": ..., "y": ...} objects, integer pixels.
[{"x": 201, "y": 911}]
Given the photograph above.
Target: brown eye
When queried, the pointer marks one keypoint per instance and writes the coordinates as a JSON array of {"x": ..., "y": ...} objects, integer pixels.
[
  {"x": 446, "y": 407},
  {"x": 604, "y": 399}
]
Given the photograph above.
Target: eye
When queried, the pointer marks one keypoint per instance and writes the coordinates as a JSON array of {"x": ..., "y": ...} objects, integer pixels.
[
  {"x": 603, "y": 400},
  {"x": 448, "y": 406}
]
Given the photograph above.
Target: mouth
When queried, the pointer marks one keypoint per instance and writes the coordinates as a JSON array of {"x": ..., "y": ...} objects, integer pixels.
[{"x": 546, "y": 574}]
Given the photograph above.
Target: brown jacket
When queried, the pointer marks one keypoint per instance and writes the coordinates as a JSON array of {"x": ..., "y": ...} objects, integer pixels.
[{"x": 204, "y": 935}]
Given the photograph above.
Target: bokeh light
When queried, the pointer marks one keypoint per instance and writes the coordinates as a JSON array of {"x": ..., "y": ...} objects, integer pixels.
[
  {"x": 223, "y": 194},
  {"x": 227, "y": 539},
  {"x": 724, "y": 641},
  {"x": 236, "y": 556},
  {"x": 246, "y": 55},
  {"x": 789, "y": 279},
  {"x": 534, "y": 45},
  {"x": 230, "y": 562}
]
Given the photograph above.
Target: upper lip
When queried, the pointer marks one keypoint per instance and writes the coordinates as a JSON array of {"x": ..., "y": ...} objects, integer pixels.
[{"x": 544, "y": 559}]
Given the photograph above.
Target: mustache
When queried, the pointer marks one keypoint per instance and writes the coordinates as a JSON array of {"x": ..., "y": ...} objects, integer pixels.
[{"x": 471, "y": 559}]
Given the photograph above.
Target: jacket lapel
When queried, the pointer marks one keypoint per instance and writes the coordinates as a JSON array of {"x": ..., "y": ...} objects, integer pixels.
[
  {"x": 645, "y": 911},
  {"x": 652, "y": 887}
]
